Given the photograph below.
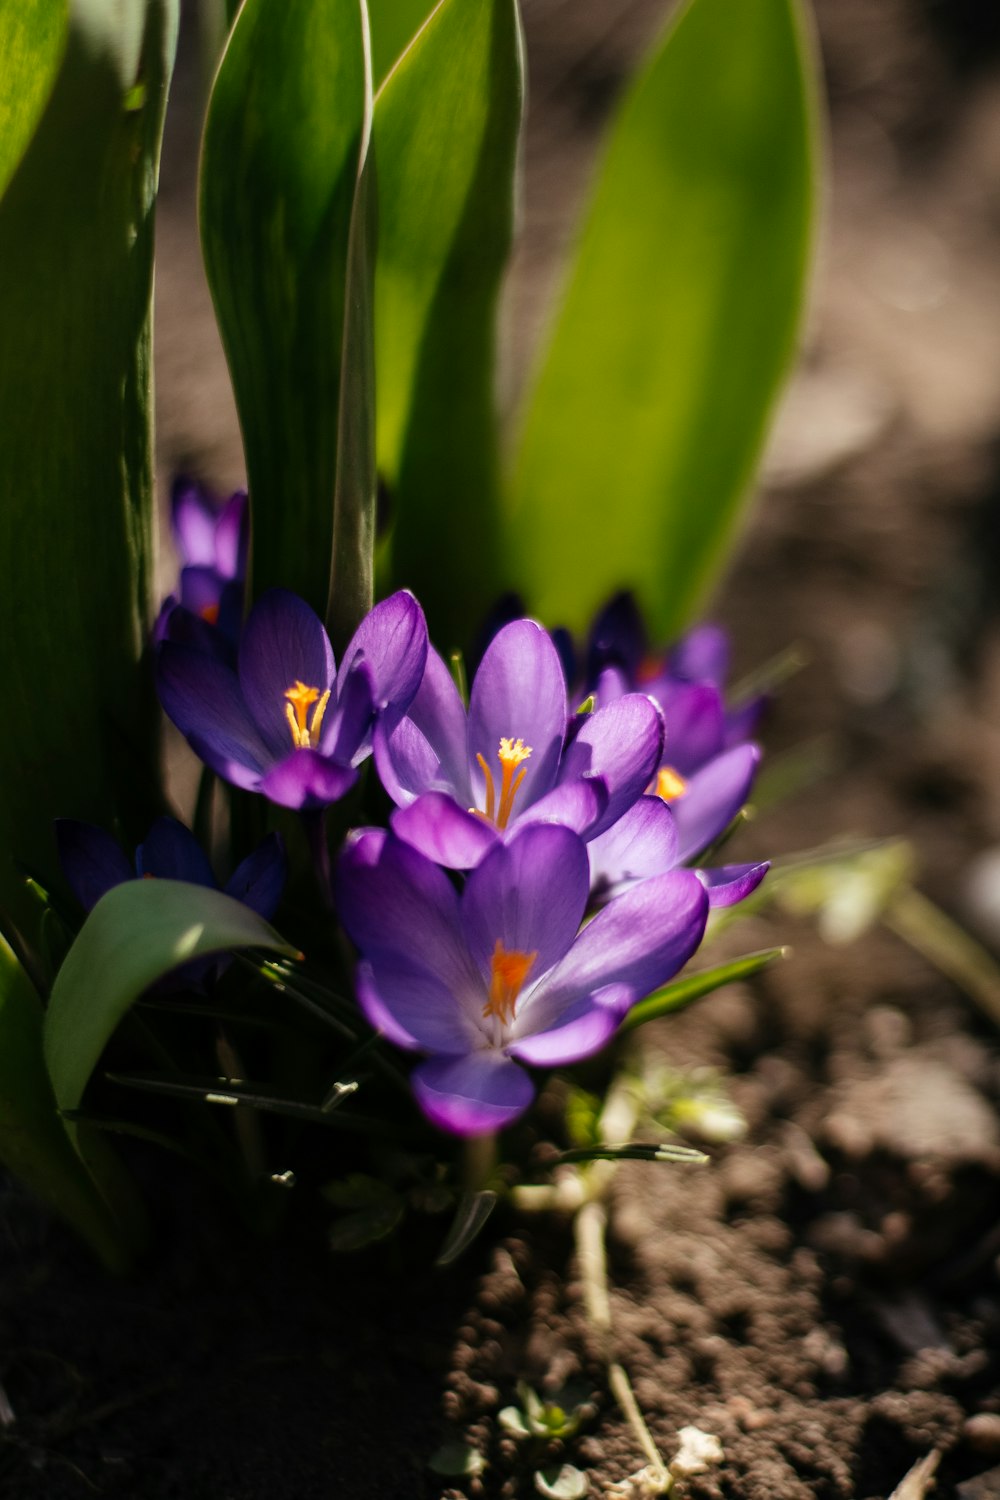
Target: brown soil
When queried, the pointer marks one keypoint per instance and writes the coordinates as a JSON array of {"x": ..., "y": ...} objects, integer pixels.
[{"x": 824, "y": 1297}]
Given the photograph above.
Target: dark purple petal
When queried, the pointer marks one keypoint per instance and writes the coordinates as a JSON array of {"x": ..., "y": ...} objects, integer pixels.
[
  {"x": 742, "y": 722},
  {"x": 420, "y": 1006},
  {"x": 578, "y": 805},
  {"x": 171, "y": 852},
  {"x": 232, "y": 535},
  {"x": 530, "y": 894},
  {"x": 713, "y": 798},
  {"x": 393, "y": 902},
  {"x": 642, "y": 843},
  {"x": 260, "y": 879},
  {"x": 376, "y": 1014},
  {"x": 617, "y": 638},
  {"x": 702, "y": 655},
  {"x": 202, "y": 696},
  {"x": 640, "y": 941},
  {"x": 392, "y": 640},
  {"x": 694, "y": 721},
  {"x": 345, "y": 735},
  {"x": 193, "y": 517},
  {"x": 306, "y": 781},
  {"x": 201, "y": 591},
  {"x": 729, "y": 884},
  {"x": 584, "y": 1029},
  {"x": 519, "y": 694},
  {"x": 621, "y": 743},
  {"x": 445, "y": 832},
  {"x": 186, "y": 629},
  {"x": 472, "y": 1095},
  {"x": 92, "y": 861},
  {"x": 283, "y": 642}
]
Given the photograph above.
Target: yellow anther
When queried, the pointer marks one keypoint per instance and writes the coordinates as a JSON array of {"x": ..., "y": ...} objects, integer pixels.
[
  {"x": 305, "y": 733},
  {"x": 512, "y": 753},
  {"x": 670, "y": 784},
  {"x": 509, "y": 969}
]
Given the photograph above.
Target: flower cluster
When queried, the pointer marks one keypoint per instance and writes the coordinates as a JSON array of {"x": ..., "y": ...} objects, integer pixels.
[{"x": 541, "y": 871}]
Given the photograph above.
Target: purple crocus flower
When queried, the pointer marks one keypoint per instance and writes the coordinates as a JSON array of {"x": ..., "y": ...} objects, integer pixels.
[
  {"x": 464, "y": 783},
  {"x": 502, "y": 974},
  {"x": 284, "y": 721},
  {"x": 92, "y": 862},
  {"x": 212, "y": 539}
]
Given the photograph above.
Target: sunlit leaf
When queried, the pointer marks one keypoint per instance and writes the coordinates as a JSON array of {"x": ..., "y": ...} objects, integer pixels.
[
  {"x": 135, "y": 934},
  {"x": 445, "y": 140},
  {"x": 394, "y": 24},
  {"x": 284, "y": 145},
  {"x": 76, "y": 243},
  {"x": 32, "y": 39},
  {"x": 693, "y": 986},
  {"x": 678, "y": 323}
]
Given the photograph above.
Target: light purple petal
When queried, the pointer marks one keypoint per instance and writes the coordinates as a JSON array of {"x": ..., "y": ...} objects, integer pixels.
[
  {"x": 728, "y": 884},
  {"x": 694, "y": 721},
  {"x": 283, "y": 642},
  {"x": 741, "y": 722},
  {"x": 642, "y": 843},
  {"x": 472, "y": 1095},
  {"x": 418, "y": 1004},
  {"x": 621, "y": 743},
  {"x": 92, "y": 861},
  {"x": 378, "y": 1015},
  {"x": 702, "y": 655},
  {"x": 438, "y": 712},
  {"x": 259, "y": 880},
  {"x": 393, "y": 902},
  {"x": 407, "y": 763},
  {"x": 530, "y": 894},
  {"x": 445, "y": 832},
  {"x": 201, "y": 695},
  {"x": 639, "y": 941},
  {"x": 345, "y": 734},
  {"x": 713, "y": 798},
  {"x": 584, "y": 1029},
  {"x": 306, "y": 780},
  {"x": 171, "y": 852},
  {"x": 392, "y": 639},
  {"x": 519, "y": 693},
  {"x": 193, "y": 518},
  {"x": 201, "y": 592},
  {"x": 232, "y": 534},
  {"x": 611, "y": 685},
  {"x": 579, "y": 805}
]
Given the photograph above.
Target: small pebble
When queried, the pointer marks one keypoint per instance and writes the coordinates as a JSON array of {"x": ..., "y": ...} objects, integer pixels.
[{"x": 982, "y": 1433}]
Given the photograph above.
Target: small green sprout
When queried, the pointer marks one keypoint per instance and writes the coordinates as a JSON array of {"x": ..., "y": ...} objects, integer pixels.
[{"x": 560, "y": 1418}]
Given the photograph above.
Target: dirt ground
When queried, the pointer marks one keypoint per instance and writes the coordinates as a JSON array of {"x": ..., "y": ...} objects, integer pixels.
[{"x": 825, "y": 1296}]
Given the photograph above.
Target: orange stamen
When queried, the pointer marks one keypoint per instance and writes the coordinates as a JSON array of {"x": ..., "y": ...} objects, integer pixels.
[
  {"x": 670, "y": 784},
  {"x": 305, "y": 734},
  {"x": 508, "y": 971},
  {"x": 512, "y": 753},
  {"x": 210, "y": 613}
]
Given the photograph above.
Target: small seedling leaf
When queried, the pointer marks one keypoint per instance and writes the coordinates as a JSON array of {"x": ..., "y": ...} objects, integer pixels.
[
  {"x": 471, "y": 1215},
  {"x": 565, "y": 1483},
  {"x": 457, "y": 1461}
]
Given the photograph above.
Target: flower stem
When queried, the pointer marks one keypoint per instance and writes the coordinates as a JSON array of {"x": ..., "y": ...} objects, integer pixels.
[
  {"x": 314, "y": 823},
  {"x": 479, "y": 1160}
]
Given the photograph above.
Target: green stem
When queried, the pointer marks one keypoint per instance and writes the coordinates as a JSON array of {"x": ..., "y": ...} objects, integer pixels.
[{"x": 911, "y": 916}]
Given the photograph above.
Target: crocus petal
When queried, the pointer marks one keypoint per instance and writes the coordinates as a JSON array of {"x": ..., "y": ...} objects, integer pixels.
[
  {"x": 92, "y": 861},
  {"x": 702, "y": 655},
  {"x": 201, "y": 590},
  {"x": 439, "y": 714},
  {"x": 519, "y": 693},
  {"x": 392, "y": 640},
  {"x": 583, "y": 1030},
  {"x": 639, "y": 941},
  {"x": 579, "y": 805},
  {"x": 742, "y": 722},
  {"x": 193, "y": 518},
  {"x": 400, "y": 996},
  {"x": 694, "y": 720},
  {"x": 530, "y": 894},
  {"x": 729, "y": 884},
  {"x": 283, "y": 642},
  {"x": 345, "y": 736},
  {"x": 378, "y": 1016},
  {"x": 393, "y": 902},
  {"x": 171, "y": 852},
  {"x": 642, "y": 843},
  {"x": 260, "y": 879},
  {"x": 713, "y": 798},
  {"x": 617, "y": 638},
  {"x": 175, "y": 623},
  {"x": 201, "y": 695},
  {"x": 621, "y": 743},
  {"x": 472, "y": 1095},
  {"x": 406, "y": 762},
  {"x": 306, "y": 780},
  {"x": 232, "y": 534},
  {"x": 445, "y": 832},
  {"x": 610, "y": 685}
]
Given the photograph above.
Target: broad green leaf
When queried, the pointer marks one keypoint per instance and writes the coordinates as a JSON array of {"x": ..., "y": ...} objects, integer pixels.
[
  {"x": 32, "y": 41},
  {"x": 447, "y": 120},
  {"x": 76, "y": 245},
  {"x": 135, "y": 934},
  {"x": 394, "y": 25},
  {"x": 679, "y": 321},
  {"x": 284, "y": 145},
  {"x": 693, "y": 986},
  {"x": 34, "y": 1145}
]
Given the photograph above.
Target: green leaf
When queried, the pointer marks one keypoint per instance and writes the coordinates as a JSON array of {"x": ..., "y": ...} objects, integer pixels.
[
  {"x": 32, "y": 41},
  {"x": 135, "y": 934},
  {"x": 693, "y": 986},
  {"x": 367, "y": 1225},
  {"x": 447, "y": 121},
  {"x": 678, "y": 323},
  {"x": 284, "y": 146},
  {"x": 394, "y": 24},
  {"x": 564, "y": 1483},
  {"x": 34, "y": 1145},
  {"x": 474, "y": 1208},
  {"x": 635, "y": 1151},
  {"x": 76, "y": 244},
  {"x": 457, "y": 1461}
]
